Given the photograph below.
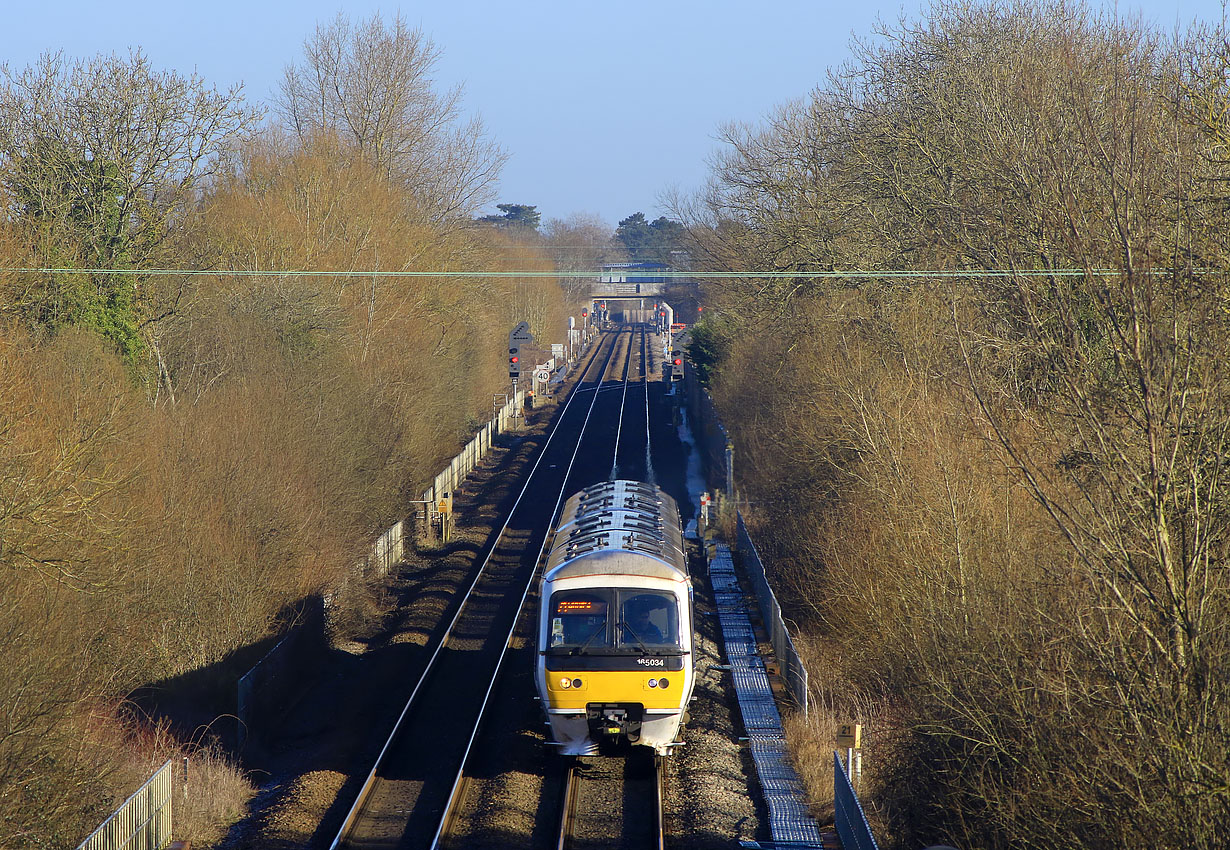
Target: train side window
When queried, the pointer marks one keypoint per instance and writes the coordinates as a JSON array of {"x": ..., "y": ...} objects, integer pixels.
[
  {"x": 648, "y": 618},
  {"x": 579, "y": 618}
]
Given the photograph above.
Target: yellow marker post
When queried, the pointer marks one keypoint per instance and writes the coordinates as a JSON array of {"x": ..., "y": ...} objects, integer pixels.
[
  {"x": 850, "y": 738},
  {"x": 444, "y": 507}
]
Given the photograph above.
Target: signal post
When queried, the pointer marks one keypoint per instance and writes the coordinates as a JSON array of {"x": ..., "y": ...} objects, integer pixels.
[{"x": 519, "y": 337}]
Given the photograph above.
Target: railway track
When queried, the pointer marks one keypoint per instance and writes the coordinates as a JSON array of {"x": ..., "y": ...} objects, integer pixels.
[
  {"x": 407, "y": 799},
  {"x": 613, "y": 804},
  {"x": 490, "y": 788}
]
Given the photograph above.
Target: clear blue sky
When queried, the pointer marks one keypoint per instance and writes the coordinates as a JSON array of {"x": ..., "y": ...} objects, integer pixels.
[{"x": 601, "y": 105}]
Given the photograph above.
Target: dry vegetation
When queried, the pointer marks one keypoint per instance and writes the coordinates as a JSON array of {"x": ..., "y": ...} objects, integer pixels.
[
  {"x": 999, "y": 503},
  {"x": 182, "y": 457}
]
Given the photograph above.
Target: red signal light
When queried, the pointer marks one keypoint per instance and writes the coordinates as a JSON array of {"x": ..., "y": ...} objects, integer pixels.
[
  {"x": 514, "y": 359},
  {"x": 678, "y": 361}
]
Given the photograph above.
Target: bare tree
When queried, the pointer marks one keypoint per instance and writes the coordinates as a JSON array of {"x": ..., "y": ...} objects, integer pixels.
[
  {"x": 103, "y": 161},
  {"x": 110, "y": 151},
  {"x": 580, "y": 243},
  {"x": 1072, "y": 166},
  {"x": 372, "y": 86}
]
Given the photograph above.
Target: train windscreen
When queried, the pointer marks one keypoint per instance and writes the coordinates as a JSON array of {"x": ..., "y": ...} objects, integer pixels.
[
  {"x": 579, "y": 619},
  {"x": 648, "y": 619}
]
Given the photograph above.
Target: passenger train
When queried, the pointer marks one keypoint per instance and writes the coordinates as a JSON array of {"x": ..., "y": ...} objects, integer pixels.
[{"x": 615, "y": 661}]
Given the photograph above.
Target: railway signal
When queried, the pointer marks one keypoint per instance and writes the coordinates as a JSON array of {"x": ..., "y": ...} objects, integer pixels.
[{"x": 520, "y": 336}]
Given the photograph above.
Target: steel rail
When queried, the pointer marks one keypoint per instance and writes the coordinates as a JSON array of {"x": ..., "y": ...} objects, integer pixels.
[
  {"x": 453, "y": 797},
  {"x": 356, "y": 809},
  {"x": 645, "y": 369},
  {"x": 568, "y": 809},
  {"x": 573, "y": 814},
  {"x": 622, "y": 404},
  {"x": 659, "y": 823}
]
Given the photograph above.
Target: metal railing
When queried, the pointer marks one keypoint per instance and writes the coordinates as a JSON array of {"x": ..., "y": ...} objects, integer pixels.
[
  {"x": 717, "y": 460},
  {"x": 143, "y": 822},
  {"x": 274, "y": 683},
  {"x": 716, "y": 452},
  {"x": 850, "y": 820},
  {"x": 710, "y": 436},
  {"x": 468, "y": 458},
  {"x": 262, "y": 690},
  {"x": 388, "y": 549},
  {"x": 793, "y": 671}
]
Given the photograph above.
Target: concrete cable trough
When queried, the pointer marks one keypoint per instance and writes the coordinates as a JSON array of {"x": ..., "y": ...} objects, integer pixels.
[{"x": 783, "y": 790}]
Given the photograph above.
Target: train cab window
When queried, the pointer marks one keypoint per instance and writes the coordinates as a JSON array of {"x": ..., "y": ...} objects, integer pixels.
[
  {"x": 648, "y": 619},
  {"x": 579, "y": 619}
]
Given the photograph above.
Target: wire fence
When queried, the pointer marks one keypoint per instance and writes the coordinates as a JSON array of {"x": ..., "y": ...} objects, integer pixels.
[
  {"x": 143, "y": 822},
  {"x": 849, "y": 818},
  {"x": 709, "y": 434},
  {"x": 714, "y": 444},
  {"x": 468, "y": 458},
  {"x": 793, "y": 672},
  {"x": 388, "y": 549}
]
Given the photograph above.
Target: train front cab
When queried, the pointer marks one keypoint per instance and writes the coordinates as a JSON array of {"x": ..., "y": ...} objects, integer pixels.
[{"x": 616, "y": 661}]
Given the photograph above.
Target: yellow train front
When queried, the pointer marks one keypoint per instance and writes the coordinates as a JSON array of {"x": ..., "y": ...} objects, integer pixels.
[{"x": 615, "y": 623}]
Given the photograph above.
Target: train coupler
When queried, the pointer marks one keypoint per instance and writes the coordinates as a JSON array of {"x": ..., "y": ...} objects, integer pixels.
[{"x": 614, "y": 721}]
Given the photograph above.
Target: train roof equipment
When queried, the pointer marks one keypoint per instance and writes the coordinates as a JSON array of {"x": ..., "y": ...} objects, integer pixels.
[{"x": 611, "y": 519}]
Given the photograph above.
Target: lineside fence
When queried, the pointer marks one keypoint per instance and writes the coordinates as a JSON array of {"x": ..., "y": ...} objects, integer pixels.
[
  {"x": 468, "y": 458},
  {"x": 848, "y": 816},
  {"x": 267, "y": 691},
  {"x": 388, "y": 549},
  {"x": 717, "y": 459},
  {"x": 270, "y": 687},
  {"x": 713, "y": 443},
  {"x": 793, "y": 671},
  {"x": 143, "y": 822}
]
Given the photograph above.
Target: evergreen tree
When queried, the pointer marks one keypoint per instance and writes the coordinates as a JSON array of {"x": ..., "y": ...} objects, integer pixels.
[
  {"x": 650, "y": 241},
  {"x": 514, "y": 215}
]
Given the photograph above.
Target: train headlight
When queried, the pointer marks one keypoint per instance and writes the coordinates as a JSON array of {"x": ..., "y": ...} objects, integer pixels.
[
  {"x": 663, "y": 683},
  {"x": 576, "y": 683},
  {"x": 653, "y": 683},
  {"x": 565, "y": 683}
]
